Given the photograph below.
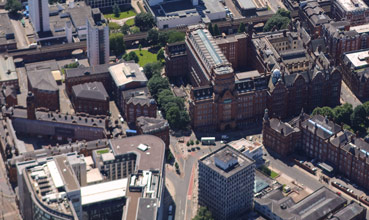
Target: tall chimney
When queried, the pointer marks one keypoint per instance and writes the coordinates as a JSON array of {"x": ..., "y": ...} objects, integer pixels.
[{"x": 31, "y": 108}]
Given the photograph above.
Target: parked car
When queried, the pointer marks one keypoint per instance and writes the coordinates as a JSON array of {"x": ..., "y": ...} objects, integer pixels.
[{"x": 170, "y": 210}]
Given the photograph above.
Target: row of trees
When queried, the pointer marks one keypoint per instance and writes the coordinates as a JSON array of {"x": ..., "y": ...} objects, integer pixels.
[
  {"x": 156, "y": 38},
  {"x": 214, "y": 30},
  {"x": 145, "y": 21},
  {"x": 355, "y": 120},
  {"x": 203, "y": 214},
  {"x": 172, "y": 108}
]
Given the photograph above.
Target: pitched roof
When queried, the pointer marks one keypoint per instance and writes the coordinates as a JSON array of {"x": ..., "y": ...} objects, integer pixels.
[
  {"x": 93, "y": 90},
  {"x": 42, "y": 80}
]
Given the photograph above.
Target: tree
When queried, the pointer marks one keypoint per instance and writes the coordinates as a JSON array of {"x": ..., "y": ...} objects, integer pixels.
[
  {"x": 210, "y": 28},
  {"x": 173, "y": 116},
  {"x": 116, "y": 10},
  {"x": 366, "y": 107},
  {"x": 325, "y": 111},
  {"x": 13, "y": 6},
  {"x": 160, "y": 55},
  {"x": 216, "y": 30},
  {"x": 140, "y": 47},
  {"x": 176, "y": 36},
  {"x": 131, "y": 56},
  {"x": 163, "y": 97},
  {"x": 241, "y": 28},
  {"x": 117, "y": 46},
  {"x": 358, "y": 117},
  {"x": 156, "y": 84},
  {"x": 125, "y": 29},
  {"x": 203, "y": 214},
  {"x": 280, "y": 20},
  {"x": 144, "y": 21},
  {"x": 151, "y": 69},
  {"x": 342, "y": 114},
  {"x": 163, "y": 38},
  {"x": 153, "y": 36}
]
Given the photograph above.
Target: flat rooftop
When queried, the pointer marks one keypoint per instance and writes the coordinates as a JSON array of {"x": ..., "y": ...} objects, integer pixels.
[
  {"x": 91, "y": 90},
  {"x": 245, "y": 145},
  {"x": 360, "y": 28},
  {"x": 358, "y": 60},
  {"x": 104, "y": 191},
  {"x": 127, "y": 72},
  {"x": 225, "y": 154},
  {"x": 247, "y": 75},
  {"x": 7, "y": 69},
  {"x": 352, "y": 5},
  {"x": 151, "y": 159},
  {"x": 209, "y": 51},
  {"x": 147, "y": 209},
  {"x": 69, "y": 178},
  {"x": 151, "y": 125}
]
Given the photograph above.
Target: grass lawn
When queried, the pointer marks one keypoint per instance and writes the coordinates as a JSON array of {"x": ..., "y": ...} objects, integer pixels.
[
  {"x": 146, "y": 57},
  {"x": 103, "y": 151},
  {"x": 273, "y": 174},
  {"x": 130, "y": 22},
  {"x": 124, "y": 14},
  {"x": 114, "y": 26}
]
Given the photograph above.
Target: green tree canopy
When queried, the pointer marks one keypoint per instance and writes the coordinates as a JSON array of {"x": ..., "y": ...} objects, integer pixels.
[
  {"x": 116, "y": 10},
  {"x": 203, "y": 214},
  {"x": 131, "y": 56},
  {"x": 125, "y": 29},
  {"x": 176, "y": 36},
  {"x": 13, "y": 6},
  {"x": 210, "y": 28},
  {"x": 153, "y": 36},
  {"x": 342, "y": 113},
  {"x": 216, "y": 30},
  {"x": 241, "y": 28},
  {"x": 160, "y": 55},
  {"x": 366, "y": 107},
  {"x": 156, "y": 84},
  {"x": 151, "y": 69},
  {"x": 280, "y": 20},
  {"x": 358, "y": 117},
  {"x": 325, "y": 111},
  {"x": 145, "y": 21},
  {"x": 117, "y": 46}
]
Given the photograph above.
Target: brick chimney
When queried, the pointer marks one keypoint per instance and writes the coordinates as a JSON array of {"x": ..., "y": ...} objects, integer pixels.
[{"x": 31, "y": 108}]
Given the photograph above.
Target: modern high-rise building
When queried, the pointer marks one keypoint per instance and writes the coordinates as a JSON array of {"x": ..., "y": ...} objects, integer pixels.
[
  {"x": 226, "y": 183},
  {"x": 39, "y": 15},
  {"x": 97, "y": 43}
]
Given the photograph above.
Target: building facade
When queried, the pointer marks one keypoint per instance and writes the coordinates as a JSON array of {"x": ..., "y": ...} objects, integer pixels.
[
  {"x": 90, "y": 98},
  {"x": 176, "y": 60},
  {"x": 218, "y": 95},
  {"x": 98, "y": 50},
  {"x": 227, "y": 174},
  {"x": 154, "y": 126},
  {"x": 356, "y": 12},
  {"x": 39, "y": 15}
]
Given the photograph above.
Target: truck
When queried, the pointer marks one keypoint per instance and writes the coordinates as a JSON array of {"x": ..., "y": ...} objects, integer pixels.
[{"x": 208, "y": 140}]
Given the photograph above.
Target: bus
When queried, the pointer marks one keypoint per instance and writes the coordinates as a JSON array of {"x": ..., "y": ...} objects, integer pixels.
[
  {"x": 208, "y": 140},
  {"x": 130, "y": 132}
]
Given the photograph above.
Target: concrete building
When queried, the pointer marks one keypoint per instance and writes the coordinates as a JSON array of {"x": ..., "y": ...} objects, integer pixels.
[
  {"x": 8, "y": 96},
  {"x": 39, "y": 15},
  {"x": 355, "y": 11},
  {"x": 106, "y": 4},
  {"x": 81, "y": 75},
  {"x": 98, "y": 49},
  {"x": 220, "y": 98},
  {"x": 8, "y": 74},
  {"x": 171, "y": 14},
  {"x": 356, "y": 72},
  {"x": 251, "y": 149},
  {"x": 43, "y": 85},
  {"x": 154, "y": 126},
  {"x": 227, "y": 174},
  {"x": 90, "y": 98},
  {"x": 275, "y": 206},
  {"x": 7, "y": 37}
]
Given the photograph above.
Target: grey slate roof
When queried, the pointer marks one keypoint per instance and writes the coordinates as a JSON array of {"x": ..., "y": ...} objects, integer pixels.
[
  {"x": 94, "y": 90},
  {"x": 151, "y": 125},
  {"x": 42, "y": 80},
  {"x": 81, "y": 71},
  {"x": 278, "y": 126}
]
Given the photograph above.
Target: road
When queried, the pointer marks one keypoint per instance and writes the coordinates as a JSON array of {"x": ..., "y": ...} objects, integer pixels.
[
  {"x": 348, "y": 97},
  {"x": 20, "y": 36},
  {"x": 233, "y": 9}
]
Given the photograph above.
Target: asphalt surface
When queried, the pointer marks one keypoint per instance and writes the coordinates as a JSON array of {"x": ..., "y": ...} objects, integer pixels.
[{"x": 20, "y": 35}]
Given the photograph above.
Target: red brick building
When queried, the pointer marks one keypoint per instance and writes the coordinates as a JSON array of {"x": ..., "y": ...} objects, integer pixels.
[
  {"x": 98, "y": 73},
  {"x": 221, "y": 99},
  {"x": 42, "y": 84},
  {"x": 234, "y": 48},
  {"x": 154, "y": 126},
  {"x": 138, "y": 102},
  {"x": 176, "y": 60},
  {"x": 90, "y": 98},
  {"x": 8, "y": 96},
  {"x": 319, "y": 138}
]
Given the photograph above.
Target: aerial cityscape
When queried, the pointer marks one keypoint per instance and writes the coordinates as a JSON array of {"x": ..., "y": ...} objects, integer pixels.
[{"x": 184, "y": 110}]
